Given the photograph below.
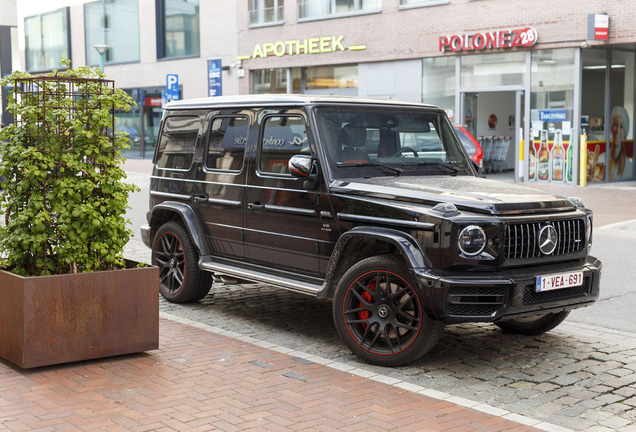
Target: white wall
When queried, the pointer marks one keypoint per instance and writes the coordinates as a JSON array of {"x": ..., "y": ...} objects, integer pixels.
[{"x": 9, "y": 16}]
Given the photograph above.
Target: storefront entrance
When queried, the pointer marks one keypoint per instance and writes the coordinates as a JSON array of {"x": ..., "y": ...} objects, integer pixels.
[{"x": 495, "y": 118}]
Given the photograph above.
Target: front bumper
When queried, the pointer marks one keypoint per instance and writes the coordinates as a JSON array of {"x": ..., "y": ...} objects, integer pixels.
[{"x": 489, "y": 297}]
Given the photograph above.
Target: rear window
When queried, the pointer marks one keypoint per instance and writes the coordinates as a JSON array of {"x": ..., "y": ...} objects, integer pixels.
[{"x": 177, "y": 142}]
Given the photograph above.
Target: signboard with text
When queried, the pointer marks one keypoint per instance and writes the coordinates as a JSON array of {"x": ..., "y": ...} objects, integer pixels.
[
  {"x": 517, "y": 38},
  {"x": 172, "y": 87},
  {"x": 215, "y": 77}
]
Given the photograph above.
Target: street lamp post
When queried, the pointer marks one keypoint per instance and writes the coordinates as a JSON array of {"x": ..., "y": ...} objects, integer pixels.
[{"x": 101, "y": 49}]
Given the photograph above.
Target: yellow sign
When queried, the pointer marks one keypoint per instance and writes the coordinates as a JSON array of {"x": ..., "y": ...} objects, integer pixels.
[{"x": 318, "y": 45}]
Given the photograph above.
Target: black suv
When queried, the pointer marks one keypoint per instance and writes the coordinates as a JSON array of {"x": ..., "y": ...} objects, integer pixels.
[{"x": 372, "y": 204}]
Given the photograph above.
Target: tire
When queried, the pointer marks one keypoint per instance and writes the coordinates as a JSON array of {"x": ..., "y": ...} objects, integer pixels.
[
  {"x": 534, "y": 325},
  {"x": 180, "y": 279},
  {"x": 378, "y": 313}
]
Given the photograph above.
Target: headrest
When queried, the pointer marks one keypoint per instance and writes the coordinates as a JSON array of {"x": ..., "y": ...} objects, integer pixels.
[{"x": 352, "y": 136}]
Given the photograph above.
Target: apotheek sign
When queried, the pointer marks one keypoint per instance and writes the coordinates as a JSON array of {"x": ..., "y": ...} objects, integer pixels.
[
  {"x": 525, "y": 37},
  {"x": 316, "y": 45}
]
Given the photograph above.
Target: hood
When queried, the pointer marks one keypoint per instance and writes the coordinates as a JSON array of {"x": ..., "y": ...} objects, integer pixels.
[{"x": 465, "y": 192}]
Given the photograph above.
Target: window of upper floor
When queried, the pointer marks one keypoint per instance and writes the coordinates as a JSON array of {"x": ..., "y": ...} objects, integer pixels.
[
  {"x": 265, "y": 12},
  {"x": 47, "y": 40},
  {"x": 178, "y": 28},
  {"x": 421, "y": 3},
  {"x": 316, "y": 9},
  {"x": 115, "y": 24}
]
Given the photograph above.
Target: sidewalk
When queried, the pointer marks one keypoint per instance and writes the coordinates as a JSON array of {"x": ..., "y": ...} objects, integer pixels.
[{"x": 199, "y": 380}]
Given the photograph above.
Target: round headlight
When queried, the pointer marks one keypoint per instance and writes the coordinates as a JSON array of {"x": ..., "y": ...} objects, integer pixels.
[{"x": 472, "y": 240}]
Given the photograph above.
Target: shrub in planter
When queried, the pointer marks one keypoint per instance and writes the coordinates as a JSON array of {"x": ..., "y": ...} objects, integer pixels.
[
  {"x": 65, "y": 195},
  {"x": 67, "y": 294}
]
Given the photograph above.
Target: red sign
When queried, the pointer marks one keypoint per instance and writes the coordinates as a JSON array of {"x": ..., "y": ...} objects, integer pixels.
[
  {"x": 152, "y": 101},
  {"x": 525, "y": 37},
  {"x": 601, "y": 27}
]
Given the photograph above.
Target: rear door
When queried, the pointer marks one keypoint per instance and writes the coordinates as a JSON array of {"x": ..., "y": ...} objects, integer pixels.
[{"x": 218, "y": 193}]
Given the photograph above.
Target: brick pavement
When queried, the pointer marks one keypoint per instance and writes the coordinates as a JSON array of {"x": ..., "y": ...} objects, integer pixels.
[{"x": 200, "y": 380}]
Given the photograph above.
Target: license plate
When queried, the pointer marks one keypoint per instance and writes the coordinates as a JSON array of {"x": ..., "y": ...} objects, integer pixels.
[{"x": 559, "y": 281}]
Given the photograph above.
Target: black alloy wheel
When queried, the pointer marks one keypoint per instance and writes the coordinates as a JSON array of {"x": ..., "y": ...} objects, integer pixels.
[
  {"x": 180, "y": 279},
  {"x": 379, "y": 315}
]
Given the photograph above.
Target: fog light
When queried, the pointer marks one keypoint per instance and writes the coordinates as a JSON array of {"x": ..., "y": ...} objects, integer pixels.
[{"x": 472, "y": 240}]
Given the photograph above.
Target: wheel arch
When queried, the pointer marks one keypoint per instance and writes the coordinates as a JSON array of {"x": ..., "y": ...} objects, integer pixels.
[
  {"x": 175, "y": 211},
  {"x": 363, "y": 242}
]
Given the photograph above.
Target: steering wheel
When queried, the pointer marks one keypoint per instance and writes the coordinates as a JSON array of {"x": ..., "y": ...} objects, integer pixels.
[{"x": 404, "y": 149}]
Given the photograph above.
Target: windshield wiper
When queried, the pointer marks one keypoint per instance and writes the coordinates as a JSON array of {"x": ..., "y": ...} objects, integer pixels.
[
  {"x": 452, "y": 168},
  {"x": 395, "y": 170}
]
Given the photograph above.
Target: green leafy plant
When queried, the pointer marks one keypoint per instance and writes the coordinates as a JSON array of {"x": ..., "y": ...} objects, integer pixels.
[{"x": 64, "y": 197}]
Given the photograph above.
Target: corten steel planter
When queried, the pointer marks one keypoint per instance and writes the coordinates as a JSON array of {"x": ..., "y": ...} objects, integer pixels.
[{"x": 47, "y": 320}]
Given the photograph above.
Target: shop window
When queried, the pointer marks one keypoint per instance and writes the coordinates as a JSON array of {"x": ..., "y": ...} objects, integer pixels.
[
  {"x": 115, "y": 24},
  {"x": 342, "y": 80},
  {"x": 264, "y": 12},
  {"x": 438, "y": 84},
  {"x": 47, "y": 40},
  {"x": 226, "y": 143},
  {"x": 269, "y": 81},
  {"x": 178, "y": 31},
  {"x": 308, "y": 9},
  {"x": 498, "y": 69},
  {"x": 621, "y": 121},
  {"x": 551, "y": 116}
]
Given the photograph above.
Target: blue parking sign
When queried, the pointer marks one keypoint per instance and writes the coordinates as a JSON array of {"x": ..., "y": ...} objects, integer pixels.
[{"x": 172, "y": 87}]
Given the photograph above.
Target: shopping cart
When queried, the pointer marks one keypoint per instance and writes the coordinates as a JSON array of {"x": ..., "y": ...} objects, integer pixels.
[
  {"x": 500, "y": 151},
  {"x": 487, "y": 148}
]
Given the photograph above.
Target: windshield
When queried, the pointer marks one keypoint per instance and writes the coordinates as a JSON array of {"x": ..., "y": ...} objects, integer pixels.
[{"x": 389, "y": 141}]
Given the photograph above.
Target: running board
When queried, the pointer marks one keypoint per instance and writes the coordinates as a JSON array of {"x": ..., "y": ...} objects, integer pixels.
[{"x": 258, "y": 276}]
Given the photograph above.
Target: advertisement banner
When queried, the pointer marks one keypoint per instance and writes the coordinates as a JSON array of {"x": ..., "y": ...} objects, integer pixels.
[{"x": 215, "y": 78}]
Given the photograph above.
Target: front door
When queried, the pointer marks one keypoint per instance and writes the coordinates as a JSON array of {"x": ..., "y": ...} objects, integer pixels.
[{"x": 281, "y": 229}]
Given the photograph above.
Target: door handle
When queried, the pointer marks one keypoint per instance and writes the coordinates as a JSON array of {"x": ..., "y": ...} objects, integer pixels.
[
  {"x": 257, "y": 207},
  {"x": 201, "y": 199}
]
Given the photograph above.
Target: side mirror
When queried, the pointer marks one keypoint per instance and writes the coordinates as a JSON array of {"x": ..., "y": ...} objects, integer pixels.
[{"x": 304, "y": 167}]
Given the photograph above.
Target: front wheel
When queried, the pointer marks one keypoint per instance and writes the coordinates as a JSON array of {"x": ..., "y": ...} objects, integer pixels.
[
  {"x": 534, "y": 325},
  {"x": 379, "y": 315},
  {"x": 180, "y": 279}
]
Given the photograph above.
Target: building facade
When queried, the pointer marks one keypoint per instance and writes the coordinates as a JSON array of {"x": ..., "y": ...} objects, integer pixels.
[
  {"x": 143, "y": 42},
  {"x": 8, "y": 46},
  {"x": 543, "y": 85}
]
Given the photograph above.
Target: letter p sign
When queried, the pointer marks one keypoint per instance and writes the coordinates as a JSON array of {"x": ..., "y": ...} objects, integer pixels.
[{"x": 172, "y": 87}]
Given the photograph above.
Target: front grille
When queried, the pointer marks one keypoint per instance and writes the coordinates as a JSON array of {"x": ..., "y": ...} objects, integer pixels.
[
  {"x": 530, "y": 296},
  {"x": 520, "y": 241},
  {"x": 475, "y": 301}
]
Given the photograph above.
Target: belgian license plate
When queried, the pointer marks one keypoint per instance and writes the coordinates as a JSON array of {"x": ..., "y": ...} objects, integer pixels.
[{"x": 559, "y": 281}]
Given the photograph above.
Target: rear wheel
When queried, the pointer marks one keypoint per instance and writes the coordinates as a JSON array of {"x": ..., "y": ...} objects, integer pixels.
[
  {"x": 180, "y": 279},
  {"x": 534, "y": 325},
  {"x": 379, "y": 315}
]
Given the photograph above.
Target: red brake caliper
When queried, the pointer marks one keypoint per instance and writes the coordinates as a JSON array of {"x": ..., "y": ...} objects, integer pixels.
[{"x": 363, "y": 315}]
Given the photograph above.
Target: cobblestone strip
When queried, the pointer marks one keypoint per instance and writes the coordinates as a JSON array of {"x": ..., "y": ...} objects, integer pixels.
[{"x": 369, "y": 374}]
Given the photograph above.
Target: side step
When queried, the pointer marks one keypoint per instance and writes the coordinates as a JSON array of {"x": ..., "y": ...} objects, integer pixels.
[{"x": 254, "y": 275}]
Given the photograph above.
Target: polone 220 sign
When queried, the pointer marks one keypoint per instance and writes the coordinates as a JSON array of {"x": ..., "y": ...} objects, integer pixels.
[{"x": 525, "y": 37}]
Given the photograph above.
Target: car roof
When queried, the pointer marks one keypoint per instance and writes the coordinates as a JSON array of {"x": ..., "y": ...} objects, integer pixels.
[{"x": 284, "y": 99}]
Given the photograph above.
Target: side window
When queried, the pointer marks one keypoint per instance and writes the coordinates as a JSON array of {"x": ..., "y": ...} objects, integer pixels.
[
  {"x": 282, "y": 137},
  {"x": 226, "y": 143},
  {"x": 177, "y": 142}
]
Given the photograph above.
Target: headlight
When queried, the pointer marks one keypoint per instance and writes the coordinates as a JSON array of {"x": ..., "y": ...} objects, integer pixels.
[
  {"x": 588, "y": 230},
  {"x": 472, "y": 240}
]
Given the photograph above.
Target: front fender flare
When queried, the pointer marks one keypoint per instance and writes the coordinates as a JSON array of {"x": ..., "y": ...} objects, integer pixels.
[
  {"x": 403, "y": 243},
  {"x": 191, "y": 220}
]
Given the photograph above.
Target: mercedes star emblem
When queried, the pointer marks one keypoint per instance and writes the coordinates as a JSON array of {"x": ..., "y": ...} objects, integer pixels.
[{"x": 547, "y": 239}]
